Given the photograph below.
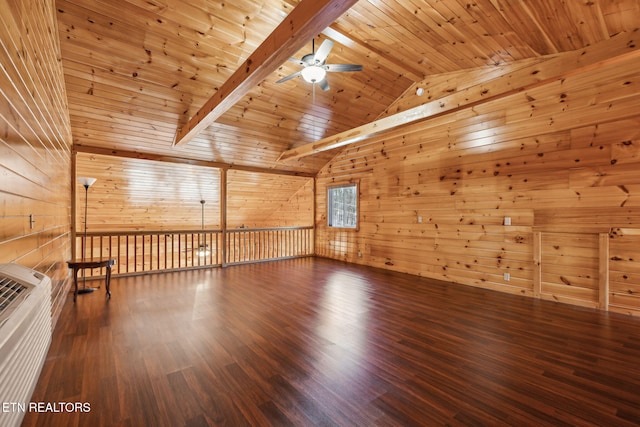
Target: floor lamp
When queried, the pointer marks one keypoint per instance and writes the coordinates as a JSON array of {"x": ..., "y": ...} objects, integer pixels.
[{"x": 86, "y": 183}]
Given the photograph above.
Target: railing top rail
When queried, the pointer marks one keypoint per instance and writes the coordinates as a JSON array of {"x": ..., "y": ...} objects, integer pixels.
[
  {"x": 193, "y": 231},
  {"x": 146, "y": 232},
  {"x": 241, "y": 230}
]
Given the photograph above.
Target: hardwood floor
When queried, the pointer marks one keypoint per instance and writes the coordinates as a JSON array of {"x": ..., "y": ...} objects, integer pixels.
[{"x": 323, "y": 343}]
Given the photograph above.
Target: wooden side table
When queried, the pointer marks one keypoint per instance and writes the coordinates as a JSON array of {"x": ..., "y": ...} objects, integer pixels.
[{"x": 79, "y": 264}]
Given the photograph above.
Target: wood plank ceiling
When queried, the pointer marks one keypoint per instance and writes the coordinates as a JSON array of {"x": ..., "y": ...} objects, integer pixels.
[{"x": 137, "y": 70}]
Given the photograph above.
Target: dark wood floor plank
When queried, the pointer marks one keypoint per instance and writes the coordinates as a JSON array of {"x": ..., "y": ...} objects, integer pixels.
[{"x": 324, "y": 343}]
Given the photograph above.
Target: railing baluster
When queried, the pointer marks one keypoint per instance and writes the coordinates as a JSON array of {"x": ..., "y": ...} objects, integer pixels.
[
  {"x": 148, "y": 251},
  {"x": 238, "y": 246},
  {"x": 100, "y": 252},
  {"x": 235, "y": 247},
  {"x": 164, "y": 242},
  {"x": 92, "y": 255},
  {"x": 279, "y": 244},
  {"x": 179, "y": 254},
  {"x": 144, "y": 252},
  {"x": 289, "y": 250},
  {"x": 245, "y": 248},
  {"x": 271, "y": 244},
  {"x": 190, "y": 253},
  {"x": 259, "y": 245},
  {"x": 117, "y": 257},
  {"x": 232, "y": 249}
]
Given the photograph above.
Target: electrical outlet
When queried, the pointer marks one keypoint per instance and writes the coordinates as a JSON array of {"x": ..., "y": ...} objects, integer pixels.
[
  {"x": 359, "y": 254},
  {"x": 507, "y": 277},
  {"x": 507, "y": 220},
  {"x": 419, "y": 220}
]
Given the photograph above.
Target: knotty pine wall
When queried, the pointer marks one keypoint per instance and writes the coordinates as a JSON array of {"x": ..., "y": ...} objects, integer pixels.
[
  {"x": 562, "y": 161},
  {"x": 259, "y": 200},
  {"x": 144, "y": 195},
  {"x": 35, "y": 141}
]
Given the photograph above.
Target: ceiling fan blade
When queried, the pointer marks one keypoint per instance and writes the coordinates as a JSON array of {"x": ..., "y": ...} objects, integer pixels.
[
  {"x": 324, "y": 84},
  {"x": 338, "y": 68},
  {"x": 323, "y": 52},
  {"x": 289, "y": 77}
]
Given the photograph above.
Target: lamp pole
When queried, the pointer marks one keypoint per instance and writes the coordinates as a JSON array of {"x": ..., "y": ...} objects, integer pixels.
[
  {"x": 86, "y": 183},
  {"x": 86, "y": 200}
]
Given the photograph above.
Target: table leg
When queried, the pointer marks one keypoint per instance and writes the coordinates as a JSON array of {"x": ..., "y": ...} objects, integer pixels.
[
  {"x": 107, "y": 281},
  {"x": 75, "y": 283}
]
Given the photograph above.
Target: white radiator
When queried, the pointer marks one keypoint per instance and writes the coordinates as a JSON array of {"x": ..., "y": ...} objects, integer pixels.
[{"x": 25, "y": 336}]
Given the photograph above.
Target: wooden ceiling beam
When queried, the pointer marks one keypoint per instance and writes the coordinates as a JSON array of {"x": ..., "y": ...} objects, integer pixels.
[
  {"x": 77, "y": 148},
  {"x": 307, "y": 19},
  {"x": 557, "y": 67}
]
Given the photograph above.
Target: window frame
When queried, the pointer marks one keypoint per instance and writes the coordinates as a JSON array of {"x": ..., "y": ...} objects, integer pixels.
[{"x": 356, "y": 185}]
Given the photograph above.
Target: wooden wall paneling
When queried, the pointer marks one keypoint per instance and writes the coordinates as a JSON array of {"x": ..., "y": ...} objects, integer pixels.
[
  {"x": 610, "y": 133},
  {"x": 537, "y": 264},
  {"x": 552, "y": 165},
  {"x": 35, "y": 140},
  {"x": 594, "y": 219},
  {"x": 146, "y": 195},
  {"x": 570, "y": 268},
  {"x": 256, "y": 200},
  {"x": 296, "y": 211},
  {"x": 618, "y": 175},
  {"x": 624, "y": 270},
  {"x": 603, "y": 271}
]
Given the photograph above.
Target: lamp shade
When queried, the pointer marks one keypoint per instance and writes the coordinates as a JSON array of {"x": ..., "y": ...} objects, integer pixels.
[
  {"x": 313, "y": 74},
  {"x": 86, "y": 182}
]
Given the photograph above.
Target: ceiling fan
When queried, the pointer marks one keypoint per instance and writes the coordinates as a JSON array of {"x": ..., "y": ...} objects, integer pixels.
[
  {"x": 203, "y": 249},
  {"x": 315, "y": 68}
]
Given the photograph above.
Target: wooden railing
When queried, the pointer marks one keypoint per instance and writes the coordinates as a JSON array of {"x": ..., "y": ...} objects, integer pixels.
[
  {"x": 138, "y": 252},
  {"x": 245, "y": 245},
  {"x": 149, "y": 251}
]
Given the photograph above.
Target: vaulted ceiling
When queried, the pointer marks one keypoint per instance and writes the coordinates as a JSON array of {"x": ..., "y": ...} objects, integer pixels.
[{"x": 137, "y": 70}]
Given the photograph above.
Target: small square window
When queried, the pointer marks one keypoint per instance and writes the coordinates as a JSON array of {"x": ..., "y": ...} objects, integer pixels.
[{"x": 342, "y": 204}]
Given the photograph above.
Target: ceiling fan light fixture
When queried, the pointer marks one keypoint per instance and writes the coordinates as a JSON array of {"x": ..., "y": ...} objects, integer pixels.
[
  {"x": 203, "y": 250},
  {"x": 313, "y": 74}
]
